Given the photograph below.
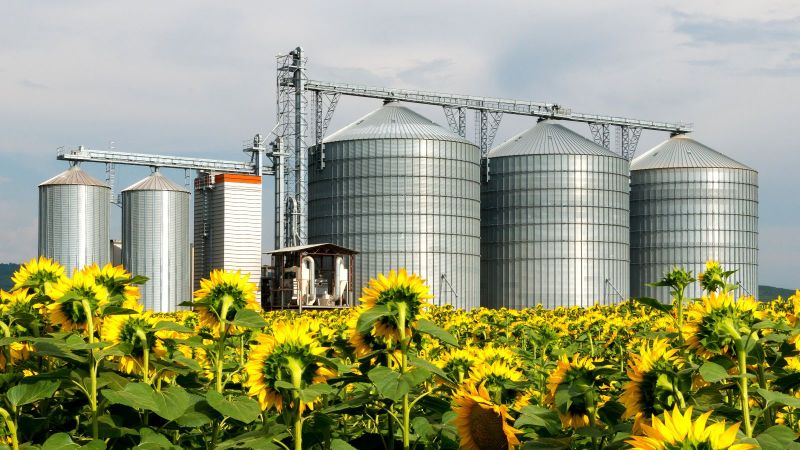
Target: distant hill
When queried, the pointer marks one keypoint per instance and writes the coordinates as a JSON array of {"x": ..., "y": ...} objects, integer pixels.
[
  {"x": 772, "y": 292},
  {"x": 6, "y": 270}
]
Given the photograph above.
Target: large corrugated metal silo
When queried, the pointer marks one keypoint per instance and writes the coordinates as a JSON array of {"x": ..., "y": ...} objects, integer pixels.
[
  {"x": 554, "y": 222},
  {"x": 155, "y": 240},
  {"x": 73, "y": 219},
  {"x": 404, "y": 192},
  {"x": 689, "y": 204}
]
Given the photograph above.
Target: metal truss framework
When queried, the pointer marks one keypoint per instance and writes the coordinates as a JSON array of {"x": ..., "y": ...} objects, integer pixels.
[
  {"x": 291, "y": 129},
  {"x": 628, "y": 139},
  {"x": 489, "y": 111},
  {"x": 457, "y": 120},
  {"x": 600, "y": 134},
  {"x": 327, "y": 102},
  {"x": 113, "y": 158}
]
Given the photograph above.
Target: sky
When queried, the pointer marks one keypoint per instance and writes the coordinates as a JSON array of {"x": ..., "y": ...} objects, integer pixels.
[{"x": 197, "y": 78}]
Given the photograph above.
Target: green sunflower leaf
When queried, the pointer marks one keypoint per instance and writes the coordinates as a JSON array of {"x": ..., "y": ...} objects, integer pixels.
[
  {"x": 430, "y": 328},
  {"x": 112, "y": 310},
  {"x": 778, "y": 398},
  {"x": 713, "y": 372},
  {"x": 59, "y": 441},
  {"x": 654, "y": 303},
  {"x": 338, "y": 444},
  {"x": 171, "y": 326},
  {"x": 777, "y": 437},
  {"x": 368, "y": 317},
  {"x": 314, "y": 391},
  {"x": 243, "y": 409},
  {"x": 249, "y": 319},
  {"x": 23, "y": 394},
  {"x": 389, "y": 383}
]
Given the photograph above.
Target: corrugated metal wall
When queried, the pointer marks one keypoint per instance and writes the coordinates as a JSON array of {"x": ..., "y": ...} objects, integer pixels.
[
  {"x": 73, "y": 224},
  {"x": 233, "y": 240},
  {"x": 155, "y": 237},
  {"x": 554, "y": 229},
  {"x": 410, "y": 203},
  {"x": 685, "y": 216}
]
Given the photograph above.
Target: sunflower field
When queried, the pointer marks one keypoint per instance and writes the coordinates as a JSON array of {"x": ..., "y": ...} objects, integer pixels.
[{"x": 82, "y": 365}]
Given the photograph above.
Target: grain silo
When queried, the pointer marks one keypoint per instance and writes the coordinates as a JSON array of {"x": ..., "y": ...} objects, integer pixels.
[
  {"x": 689, "y": 204},
  {"x": 404, "y": 192},
  {"x": 73, "y": 219},
  {"x": 554, "y": 222},
  {"x": 227, "y": 225},
  {"x": 155, "y": 240}
]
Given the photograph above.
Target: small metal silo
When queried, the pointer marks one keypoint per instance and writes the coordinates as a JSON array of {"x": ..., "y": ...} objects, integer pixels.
[
  {"x": 689, "y": 204},
  {"x": 404, "y": 192},
  {"x": 73, "y": 219},
  {"x": 155, "y": 240},
  {"x": 554, "y": 222}
]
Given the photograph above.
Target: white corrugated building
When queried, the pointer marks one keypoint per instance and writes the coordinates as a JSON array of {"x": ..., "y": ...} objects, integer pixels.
[{"x": 227, "y": 225}]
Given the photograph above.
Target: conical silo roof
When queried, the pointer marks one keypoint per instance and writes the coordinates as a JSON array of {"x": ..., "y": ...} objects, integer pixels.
[
  {"x": 74, "y": 176},
  {"x": 393, "y": 121},
  {"x": 155, "y": 182},
  {"x": 683, "y": 151},
  {"x": 547, "y": 138}
]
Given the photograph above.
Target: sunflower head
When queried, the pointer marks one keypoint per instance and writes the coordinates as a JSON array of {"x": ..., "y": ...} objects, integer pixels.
[
  {"x": 16, "y": 301},
  {"x": 131, "y": 332},
  {"x": 457, "y": 362},
  {"x": 69, "y": 296},
  {"x": 223, "y": 293},
  {"x": 36, "y": 274},
  {"x": 677, "y": 280},
  {"x": 571, "y": 388},
  {"x": 714, "y": 278},
  {"x": 715, "y": 323},
  {"x": 501, "y": 380},
  {"x": 365, "y": 342},
  {"x": 679, "y": 432},
  {"x": 290, "y": 355},
  {"x": 403, "y": 296},
  {"x": 654, "y": 385},
  {"x": 120, "y": 284},
  {"x": 481, "y": 423}
]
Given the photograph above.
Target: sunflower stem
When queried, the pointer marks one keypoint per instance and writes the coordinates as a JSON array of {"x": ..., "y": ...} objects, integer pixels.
[
  {"x": 741, "y": 356},
  {"x": 297, "y": 382},
  {"x": 145, "y": 357},
  {"x": 87, "y": 309},
  {"x": 679, "y": 305},
  {"x": 12, "y": 428},
  {"x": 401, "y": 323}
]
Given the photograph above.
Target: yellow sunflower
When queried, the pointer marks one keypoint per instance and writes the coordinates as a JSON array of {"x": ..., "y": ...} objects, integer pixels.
[
  {"x": 491, "y": 353},
  {"x": 224, "y": 292},
  {"x": 679, "y": 432},
  {"x": 574, "y": 414},
  {"x": 652, "y": 388},
  {"x": 68, "y": 296},
  {"x": 498, "y": 378},
  {"x": 289, "y": 355},
  {"x": 398, "y": 291},
  {"x": 457, "y": 363},
  {"x": 713, "y": 322},
  {"x": 132, "y": 330},
  {"x": 36, "y": 274},
  {"x": 481, "y": 423},
  {"x": 116, "y": 279},
  {"x": 19, "y": 351},
  {"x": 15, "y": 301}
]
